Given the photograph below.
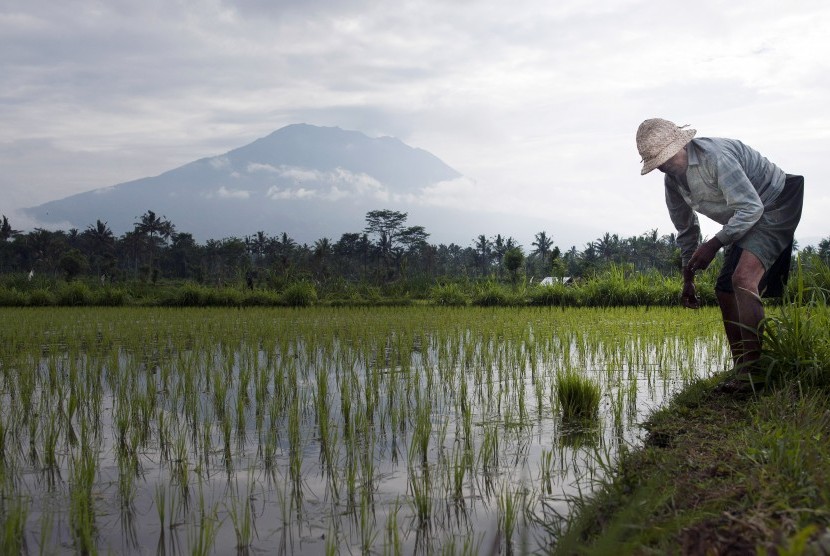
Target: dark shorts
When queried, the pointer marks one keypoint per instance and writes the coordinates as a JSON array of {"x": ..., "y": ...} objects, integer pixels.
[{"x": 771, "y": 240}]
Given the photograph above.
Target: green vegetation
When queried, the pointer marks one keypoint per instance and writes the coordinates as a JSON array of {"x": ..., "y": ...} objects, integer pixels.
[
  {"x": 400, "y": 429},
  {"x": 724, "y": 475},
  {"x": 578, "y": 396},
  {"x": 388, "y": 255},
  {"x": 615, "y": 287},
  {"x": 387, "y": 263},
  {"x": 381, "y": 394}
]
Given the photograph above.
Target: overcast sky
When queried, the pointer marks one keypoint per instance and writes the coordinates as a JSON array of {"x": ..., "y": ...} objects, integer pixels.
[{"x": 536, "y": 102}]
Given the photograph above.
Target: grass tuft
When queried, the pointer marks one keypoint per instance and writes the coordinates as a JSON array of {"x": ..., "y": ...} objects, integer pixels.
[{"x": 578, "y": 396}]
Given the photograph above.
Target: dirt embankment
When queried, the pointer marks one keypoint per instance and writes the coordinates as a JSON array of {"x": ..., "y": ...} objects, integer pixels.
[{"x": 718, "y": 474}]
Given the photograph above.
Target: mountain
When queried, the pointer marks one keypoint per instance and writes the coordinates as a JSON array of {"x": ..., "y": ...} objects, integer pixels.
[{"x": 310, "y": 182}]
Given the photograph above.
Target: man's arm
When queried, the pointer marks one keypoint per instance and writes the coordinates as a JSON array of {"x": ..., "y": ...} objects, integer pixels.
[
  {"x": 684, "y": 220},
  {"x": 688, "y": 238}
]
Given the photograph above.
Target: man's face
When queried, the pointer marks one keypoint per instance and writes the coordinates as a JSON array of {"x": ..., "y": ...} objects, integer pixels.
[{"x": 676, "y": 165}]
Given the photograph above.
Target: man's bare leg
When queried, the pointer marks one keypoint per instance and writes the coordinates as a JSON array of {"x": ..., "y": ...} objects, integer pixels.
[
  {"x": 729, "y": 311},
  {"x": 750, "y": 309}
]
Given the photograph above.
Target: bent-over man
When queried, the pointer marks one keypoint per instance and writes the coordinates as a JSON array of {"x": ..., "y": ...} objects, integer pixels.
[{"x": 759, "y": 206}]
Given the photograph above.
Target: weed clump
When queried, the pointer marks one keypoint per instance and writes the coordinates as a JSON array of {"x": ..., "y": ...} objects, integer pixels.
[
  {"x": 299, "y": 294},
  {"x": 74, "y": 294},
  {"x": 11, "y": 297},
  {"x": 41, "y": 297},
  {"x": 448, "y": 295},
  {"x": 492, "y": 294}
]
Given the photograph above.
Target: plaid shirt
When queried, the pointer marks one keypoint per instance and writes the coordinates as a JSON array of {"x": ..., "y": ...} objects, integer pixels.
[{"x": 727, "y": 181}]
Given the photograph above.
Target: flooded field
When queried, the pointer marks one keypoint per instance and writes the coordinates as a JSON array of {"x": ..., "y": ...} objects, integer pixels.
[{"x": 323, "y": 430}]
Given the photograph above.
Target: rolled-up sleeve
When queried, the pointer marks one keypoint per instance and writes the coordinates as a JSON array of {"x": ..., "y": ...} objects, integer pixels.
[
  {"x": 684, "y": 220},
  {"x": 741, "y": 197}
]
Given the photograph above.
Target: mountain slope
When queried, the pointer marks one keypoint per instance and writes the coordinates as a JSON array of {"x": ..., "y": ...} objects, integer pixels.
[{"x": 308, "y": 181}]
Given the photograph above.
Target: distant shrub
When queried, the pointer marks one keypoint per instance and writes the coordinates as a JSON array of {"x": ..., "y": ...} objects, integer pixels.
[
  {"x": 552, "y": 295},
  {"x": 371, "y": 294},
  {"x": 41, "y": 297},
  {"x": 391, "y": 302},
  {"x": 261, "y": 298},
  {"x": 74, "y": 294},
  {"x": 492, "y": 294},
  {"x": 450, "y": 295},
  {"x": 223, "y": 297},
  {"x": 10, "y": 297},
  {"x": 111, "y": 297},
  {"x": 187, "y": 295},
  {"x": 299, "y": 294}
]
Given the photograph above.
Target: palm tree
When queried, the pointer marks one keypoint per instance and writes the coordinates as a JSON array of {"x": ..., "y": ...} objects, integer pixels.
[
  {"x": 184, "y": 254},
  {"x": 824, "y": 249},
  {"x": 608, "y": 247},
  {"x": 158, "y": 231},
  {"x": 322, "y": 251},
  {"x": 483, "y": 249},
  {"x": 257, "y": 246},
  {"x": 45, "y": 248},
  {"x": 285, "y": 248},
  {"x": 543, "y": 245},
  {"x": 132, "y": 246},
  {"x": 513, "y": 259},
  {"x": 100, "y": 246},
  {"x": 500, "y": 247}
]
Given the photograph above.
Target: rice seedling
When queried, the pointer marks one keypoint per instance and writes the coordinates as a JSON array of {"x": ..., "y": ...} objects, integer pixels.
[
  {"x": 578, "y": 396},
  {"x": 421, "y": 496},
  {"x": 241, "y": 515},
  {"x": 202, "y": 534},
  {"x": 509, "y": 504},
  {"x": 82, "y": 512}
]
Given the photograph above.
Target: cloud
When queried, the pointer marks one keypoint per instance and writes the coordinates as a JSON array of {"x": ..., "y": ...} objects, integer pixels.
[
  {"x": 455, "y": 193},
  {"x": 229, "y": 193},
  {"x": 281, "y": 194},
  {"x": 519, "y": 100},
  {"x": 255, "y": 167},
  {"x": 334, "y": 185},
  {"x": 220, "y": 162}
]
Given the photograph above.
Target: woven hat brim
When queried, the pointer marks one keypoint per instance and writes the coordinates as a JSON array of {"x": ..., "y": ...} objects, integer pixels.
[{"x": 668, "y": 151}]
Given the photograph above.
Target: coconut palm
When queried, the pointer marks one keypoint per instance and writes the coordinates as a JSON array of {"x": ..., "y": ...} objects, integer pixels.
[
  {"x": 99, "y": 243},
  {"x": 157, "y": 231},
  {"x": 484, "y": 253},
  {"x": 542, "y": 252}
]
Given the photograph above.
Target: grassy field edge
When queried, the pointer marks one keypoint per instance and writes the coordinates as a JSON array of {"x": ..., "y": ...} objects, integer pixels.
[{"x": 717, "y": 475}]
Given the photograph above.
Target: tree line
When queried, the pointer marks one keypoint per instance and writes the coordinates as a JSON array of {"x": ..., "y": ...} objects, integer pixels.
[{"x": 385, "y": 251}]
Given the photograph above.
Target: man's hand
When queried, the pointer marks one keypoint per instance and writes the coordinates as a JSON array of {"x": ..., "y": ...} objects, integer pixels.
[
  {"x": 703, "y": 255},
  {"x": 689, "y": 295}
]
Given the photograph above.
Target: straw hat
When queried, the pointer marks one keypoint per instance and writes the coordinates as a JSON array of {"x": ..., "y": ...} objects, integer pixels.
[{"x": 658, "y": 140}]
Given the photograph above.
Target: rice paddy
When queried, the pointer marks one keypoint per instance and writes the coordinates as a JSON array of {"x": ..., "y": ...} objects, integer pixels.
[{"x": 323, "y": 430}]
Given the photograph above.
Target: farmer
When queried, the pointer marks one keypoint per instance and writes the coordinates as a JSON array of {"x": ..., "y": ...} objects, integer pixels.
[{"x": 759, "y": 207}]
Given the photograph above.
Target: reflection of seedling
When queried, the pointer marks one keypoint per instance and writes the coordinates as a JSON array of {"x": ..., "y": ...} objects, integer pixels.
[
  {"x": 421, "y": 488},
  {"x": 14, "y": 512},
  {"x": 545, "y": 471},
  {"x": 392, "y": 542}
]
